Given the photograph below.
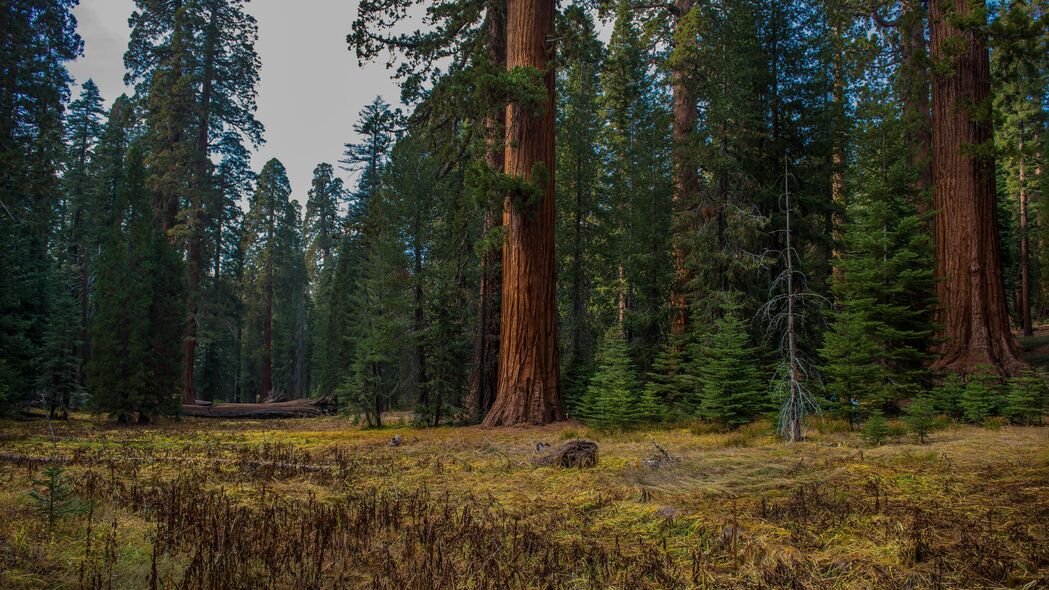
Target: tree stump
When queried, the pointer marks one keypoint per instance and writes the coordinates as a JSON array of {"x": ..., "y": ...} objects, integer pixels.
[{"x": 574, "y": 453}]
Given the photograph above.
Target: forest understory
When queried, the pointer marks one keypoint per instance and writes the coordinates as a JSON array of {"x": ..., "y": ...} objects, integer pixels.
[{"x": 319, "y": 503}]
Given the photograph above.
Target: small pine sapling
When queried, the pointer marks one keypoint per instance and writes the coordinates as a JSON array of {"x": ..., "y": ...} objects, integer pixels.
[
  {"x": 920, "y": 417},
  {"x": 980, "y": 397},
  {"x": 876, "y": 430},
  {"x": 1025, "y": 399},
  {"x": 53, "y": 496}
]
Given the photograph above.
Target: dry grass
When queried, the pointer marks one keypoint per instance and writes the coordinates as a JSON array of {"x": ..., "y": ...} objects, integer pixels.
[{"x": 318, "y": 503}]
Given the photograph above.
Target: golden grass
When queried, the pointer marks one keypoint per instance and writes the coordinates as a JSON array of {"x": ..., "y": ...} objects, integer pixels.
[{"x": 736, "y": 510}]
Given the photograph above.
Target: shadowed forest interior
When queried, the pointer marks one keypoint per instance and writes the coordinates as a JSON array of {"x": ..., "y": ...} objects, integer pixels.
[{"x": 784, "y": 263}]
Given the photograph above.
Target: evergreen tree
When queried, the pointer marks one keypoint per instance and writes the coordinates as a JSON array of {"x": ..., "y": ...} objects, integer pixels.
[
  {"x": 84, "y": 126},
  {"x": 635, "y": 208},
  {"x": 732, "y": 391},
  {"x": 613, "y": 398},
  {"x": 134, "y": 368},
  {"x": 578, "y": 173},
  {"x": 671, "y": 382},
  {"x": 980, "y": 398},
  {"x": 274, "y": 288},
  {"x": 38, "y": 37},
  {"x": 919, "y": 417},
  {"x": 876, "y": 430},
  {"x": 1026, "y": 399},
  {"x": 947, "y": 396}
]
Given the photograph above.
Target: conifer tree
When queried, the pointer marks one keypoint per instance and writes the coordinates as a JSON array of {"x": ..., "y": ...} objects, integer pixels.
[
  {"x": 84, "y": 126},
  {"x": 37, "y": 39},
  {"x": 274, "y": 282},
  {"x": 981, "y": 396},
  {"x": 637, "y": 267},
  {"x": 134, "y": 368},
  {"x": 613, "y": 398},
  {"x": 919, "y": 416},
  {"x": 1026, "y": 399},
  {"x": 579, "y": 169},
  {"x": 732, "y": 391}
]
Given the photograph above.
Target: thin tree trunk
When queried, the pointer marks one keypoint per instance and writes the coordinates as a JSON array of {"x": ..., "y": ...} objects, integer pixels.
[
  {"x": 529, "y": 376},
  {"x": 420, "y": 317},
  {"x": 1025, "y": 247},
  {"x": 484, "y": 379},
  {"x": 837, "y": 158},
  {"x": 686, "y": 180},
  {"x": 972, "y": 314}
]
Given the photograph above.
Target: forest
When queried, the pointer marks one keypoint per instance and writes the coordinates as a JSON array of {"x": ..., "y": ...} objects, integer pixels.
[{"x": 614, "y": 294}]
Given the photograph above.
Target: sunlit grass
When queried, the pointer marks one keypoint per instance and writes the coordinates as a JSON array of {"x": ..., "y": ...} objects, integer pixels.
[{"x": 734, "y": 509}]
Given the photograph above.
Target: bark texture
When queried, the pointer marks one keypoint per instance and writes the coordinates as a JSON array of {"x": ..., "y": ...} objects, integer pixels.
[
  {"x": 972, "y": 314},
  {"x": 529, "y": 376}
]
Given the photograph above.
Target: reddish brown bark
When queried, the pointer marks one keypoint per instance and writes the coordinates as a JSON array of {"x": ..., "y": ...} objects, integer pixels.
[
  {"x": 972, "y": 314},
  {"x": 686, "y": 180},
  {"x": 529, "y": 377},
  {"x": 484, "y": 380}
]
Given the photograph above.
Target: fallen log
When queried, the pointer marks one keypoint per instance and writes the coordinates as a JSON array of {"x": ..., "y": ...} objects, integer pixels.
[{"x": 298, "y": 408}]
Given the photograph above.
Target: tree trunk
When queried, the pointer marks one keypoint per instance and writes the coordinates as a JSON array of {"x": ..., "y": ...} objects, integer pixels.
[
  {"x": 686, "y": 180},
  {"x": 266, "y": 370},
  {"x": 972, "y": 315},
  {"x": 1025, "y": 248},
  {"x": 484, "y": 380},
  {"x": 201, "y": 186},
  {"x": 529, "y": 377}
]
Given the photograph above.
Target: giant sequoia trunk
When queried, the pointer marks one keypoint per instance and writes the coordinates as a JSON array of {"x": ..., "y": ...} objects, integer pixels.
[
  {"x": 686, "y": 181},
  {"x": 972, "y": 316},
  {"x": 484, "y": 380},
  {"x": 529, "y": 388}
]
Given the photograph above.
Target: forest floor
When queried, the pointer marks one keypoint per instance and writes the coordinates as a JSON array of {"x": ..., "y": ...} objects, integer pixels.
[{"x": 319, "y": 503}]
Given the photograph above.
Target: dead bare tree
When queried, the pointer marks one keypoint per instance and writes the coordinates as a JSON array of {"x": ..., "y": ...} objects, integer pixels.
[{"x": 783, "y": 315}]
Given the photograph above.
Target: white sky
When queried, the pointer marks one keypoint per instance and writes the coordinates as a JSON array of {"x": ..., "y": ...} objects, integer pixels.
[{"x": 310, "y": 90}]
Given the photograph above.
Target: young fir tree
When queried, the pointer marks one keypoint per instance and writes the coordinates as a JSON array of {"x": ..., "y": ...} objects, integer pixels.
[
  {"x": 135, "y": 335},
  {"x": 339, "y": 315},
  {"x": 383, "y": 327},
  {"x": 613, "y": 398},
  {"x": 84, "y": 126},
  {"x": 877, "y": 346},
  {"x": 1026, "y": 399},
  {"x": 850, "y": 360},
  {"x": 982, "y": 395},
  {"x": 920, "y": 416},
  {"x": 876, "y": 430},
  {"x": 670, "y": 381},
  {"x": 732, "y": 391},
  {"x": 947, "y": 396}
]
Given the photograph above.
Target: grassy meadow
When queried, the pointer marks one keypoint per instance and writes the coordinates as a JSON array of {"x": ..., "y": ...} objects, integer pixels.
[{"x": 320, "y": 503}]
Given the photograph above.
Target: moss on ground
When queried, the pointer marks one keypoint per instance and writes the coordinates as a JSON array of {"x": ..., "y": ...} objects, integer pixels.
[{"x": 741, "y": 510}]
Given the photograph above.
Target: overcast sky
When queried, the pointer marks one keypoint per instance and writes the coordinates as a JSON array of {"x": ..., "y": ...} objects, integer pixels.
[{"x": 311, "y": 88}]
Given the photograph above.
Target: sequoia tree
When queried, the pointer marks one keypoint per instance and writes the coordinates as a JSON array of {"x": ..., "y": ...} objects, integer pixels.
[
  {"x": 529, "y": 377},
  {"x": 973, "y": 318}
]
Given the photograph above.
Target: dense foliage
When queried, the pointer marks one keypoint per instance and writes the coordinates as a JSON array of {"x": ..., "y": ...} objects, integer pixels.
[{"x": 143, "y": 262}]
